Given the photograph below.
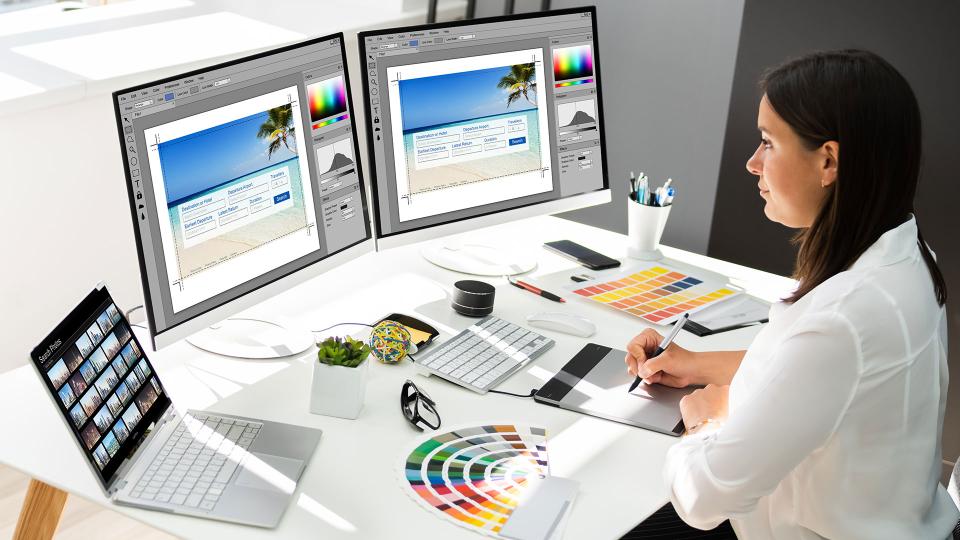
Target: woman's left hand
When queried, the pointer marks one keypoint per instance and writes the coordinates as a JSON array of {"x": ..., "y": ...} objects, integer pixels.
[{"x": 705, "y": 403}]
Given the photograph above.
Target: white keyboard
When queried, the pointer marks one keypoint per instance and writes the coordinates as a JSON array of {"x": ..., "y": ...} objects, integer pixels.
[
  {"x": 485, "y": 354},
  {"x": 197, "y": 461}
]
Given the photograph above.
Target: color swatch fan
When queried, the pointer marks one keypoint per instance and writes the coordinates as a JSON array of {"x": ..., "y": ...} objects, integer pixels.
[
  {"x": 475, "y": 477},
  {"x": 656, "y": 293}
]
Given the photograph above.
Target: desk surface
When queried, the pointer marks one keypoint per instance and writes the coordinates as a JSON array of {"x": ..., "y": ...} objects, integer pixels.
[{"x": 350, "y": 489}]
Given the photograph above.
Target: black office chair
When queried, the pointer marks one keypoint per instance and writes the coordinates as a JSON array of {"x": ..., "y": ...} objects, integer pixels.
[{"x": 471, "y": 12}]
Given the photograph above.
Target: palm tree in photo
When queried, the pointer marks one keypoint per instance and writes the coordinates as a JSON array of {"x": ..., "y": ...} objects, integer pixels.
[
  {"x": 278, "y": 129},
  {"x": 520, "y": 82}
]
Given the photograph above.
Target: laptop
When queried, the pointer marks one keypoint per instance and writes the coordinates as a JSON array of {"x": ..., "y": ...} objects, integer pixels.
[
  {"x": 595, "y": 382},
  {"x": 146, "y": 454}
]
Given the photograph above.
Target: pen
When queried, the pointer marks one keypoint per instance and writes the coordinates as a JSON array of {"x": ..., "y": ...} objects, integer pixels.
[
  {"x": 535, "y": 290},
  {"x": 663, "y": 345}
]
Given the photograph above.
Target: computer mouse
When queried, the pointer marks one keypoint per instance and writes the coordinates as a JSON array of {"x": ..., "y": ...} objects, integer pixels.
[{"x": 563, "y": 322}]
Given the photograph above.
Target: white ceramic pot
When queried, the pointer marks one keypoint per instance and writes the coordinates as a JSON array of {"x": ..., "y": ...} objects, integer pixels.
[{"x": 337, "y": 390}]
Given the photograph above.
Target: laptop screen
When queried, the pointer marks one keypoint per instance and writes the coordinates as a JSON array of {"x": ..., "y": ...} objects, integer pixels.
[{"x": 101, "y": 380}]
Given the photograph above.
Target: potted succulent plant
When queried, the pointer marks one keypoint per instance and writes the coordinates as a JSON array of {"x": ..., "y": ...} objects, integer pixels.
[{"x": 339, "y": 377}]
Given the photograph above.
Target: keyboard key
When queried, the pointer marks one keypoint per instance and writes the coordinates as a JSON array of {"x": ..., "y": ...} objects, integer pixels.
[
  {"x": 163, "y": 497},
  {"x": 194, "y": 500},
  {"x": 207, "y": 505},
  {"x": 178, "y": 499}
]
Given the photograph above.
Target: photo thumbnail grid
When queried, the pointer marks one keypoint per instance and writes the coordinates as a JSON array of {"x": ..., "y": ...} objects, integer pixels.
[{"x": 97, "y": 377}]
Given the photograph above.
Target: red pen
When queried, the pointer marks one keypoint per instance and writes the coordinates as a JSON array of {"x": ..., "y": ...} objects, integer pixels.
[{"x": 535, "y": 290}]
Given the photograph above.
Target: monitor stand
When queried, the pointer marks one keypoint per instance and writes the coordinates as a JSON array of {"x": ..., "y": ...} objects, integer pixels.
[
  {"x": 252, "y": 338},
  {"x": 477, "y": 259}
]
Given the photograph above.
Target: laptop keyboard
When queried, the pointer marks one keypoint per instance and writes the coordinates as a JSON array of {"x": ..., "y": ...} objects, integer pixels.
[
  {"x": 487, "y": 352},
  {"x": 197, "y": 461}
]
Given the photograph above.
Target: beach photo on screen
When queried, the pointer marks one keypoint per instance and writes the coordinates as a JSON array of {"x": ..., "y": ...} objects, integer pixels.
[
  {"x": 90, "y": 401},
  {"x": 103, "y": 419},
  {"x": 58, "y": 373},
  {"x": 67, "y": 397},
  {"x": 95, "y": 333},
  {"x": 233, "y": 187},
  {"x": 78, "y": 383},
  {"x": 90, "y": 435},
  {"x": 73, "y": 358},
  {"x": 78, "y": 415},
  {"x": 476, "y": 121},
  {"x": 131, "y": 416},
  {"x": 144, "y": 369},
  {"x": 104, "y": 322},
  {"x": 101, "y": 456},
  {"x": 84, "y": 344}
]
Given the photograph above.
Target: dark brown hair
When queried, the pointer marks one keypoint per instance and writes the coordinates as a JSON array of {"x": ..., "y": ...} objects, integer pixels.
[{"x": 863, "y": 103}]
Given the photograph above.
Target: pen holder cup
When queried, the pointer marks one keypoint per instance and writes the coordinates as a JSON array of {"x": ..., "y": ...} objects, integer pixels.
[{"x": 644, "y": 228}]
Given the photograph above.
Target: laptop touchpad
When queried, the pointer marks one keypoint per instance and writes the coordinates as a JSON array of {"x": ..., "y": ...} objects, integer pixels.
[{"x": 266, "y": 471}]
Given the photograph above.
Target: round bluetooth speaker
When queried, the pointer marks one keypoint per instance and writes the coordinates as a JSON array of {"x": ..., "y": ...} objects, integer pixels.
[{"x": 473, "y": 298}]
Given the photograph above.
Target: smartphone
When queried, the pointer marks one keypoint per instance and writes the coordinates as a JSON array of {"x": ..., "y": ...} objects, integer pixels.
[{"x": 583, "y": 255}]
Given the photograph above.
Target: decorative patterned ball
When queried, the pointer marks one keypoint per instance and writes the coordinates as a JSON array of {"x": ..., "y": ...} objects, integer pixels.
[{"x": 389, "y": 342}]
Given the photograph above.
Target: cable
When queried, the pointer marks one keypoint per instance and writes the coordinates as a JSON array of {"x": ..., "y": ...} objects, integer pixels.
[
  {"x": 532, "y": 392},
  {"x": 131, "y": 310},
  {"x": 342, "y": 324}
]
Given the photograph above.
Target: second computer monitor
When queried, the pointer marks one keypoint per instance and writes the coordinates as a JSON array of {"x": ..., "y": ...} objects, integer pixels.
[{"x": 477, "y": 122}]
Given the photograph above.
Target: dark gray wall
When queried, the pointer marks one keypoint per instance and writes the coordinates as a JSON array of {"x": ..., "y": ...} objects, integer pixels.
[
  {"x": 667, "y": 69},
  {"x": 922, "y": 40}
]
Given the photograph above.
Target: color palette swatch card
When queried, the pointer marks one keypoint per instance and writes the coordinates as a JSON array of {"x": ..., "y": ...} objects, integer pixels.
[
  {"x": 475, "y": 477},
  {"x": 656, "y": 293}
]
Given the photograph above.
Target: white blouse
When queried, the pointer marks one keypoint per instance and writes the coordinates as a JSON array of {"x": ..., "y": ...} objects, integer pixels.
[{"x": 835, "y": 414}]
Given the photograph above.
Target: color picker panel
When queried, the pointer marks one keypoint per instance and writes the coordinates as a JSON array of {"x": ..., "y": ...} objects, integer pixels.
[
  {"x": 572, "y": 62},
  {"x": 327, "y": 98},
  {"x": 656, "y": 294},
  {"x": 474, "y": 477}
]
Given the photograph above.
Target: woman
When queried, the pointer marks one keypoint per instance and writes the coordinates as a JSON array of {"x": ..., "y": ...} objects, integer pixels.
[{"x": 829, "y": 425}]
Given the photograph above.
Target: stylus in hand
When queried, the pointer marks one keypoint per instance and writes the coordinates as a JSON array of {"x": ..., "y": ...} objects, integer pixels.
[{"x": 663, "y": 346}]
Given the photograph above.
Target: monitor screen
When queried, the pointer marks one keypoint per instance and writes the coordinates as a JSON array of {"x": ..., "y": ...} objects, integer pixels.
[
  {"x": 476, "y": 117},
  {"x": 102, "y": 382},
  {"x": 240, "y": 174}
]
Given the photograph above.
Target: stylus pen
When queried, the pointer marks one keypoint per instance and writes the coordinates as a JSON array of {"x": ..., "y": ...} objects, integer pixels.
[
  {"x": 535, "y": 290},
  {"x": 663, "y": 346}
]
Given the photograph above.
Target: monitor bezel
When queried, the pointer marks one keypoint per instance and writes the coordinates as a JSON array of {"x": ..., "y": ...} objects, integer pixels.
[
  {"x": 190, "y": 325},
  {"x": 570, "y": 202}
]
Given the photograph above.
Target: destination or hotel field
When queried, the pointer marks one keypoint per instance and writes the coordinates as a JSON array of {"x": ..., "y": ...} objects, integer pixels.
[{"x": 464, "y": 143}]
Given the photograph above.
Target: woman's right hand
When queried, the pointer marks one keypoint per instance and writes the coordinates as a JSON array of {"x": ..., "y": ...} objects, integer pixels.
[{"x": 676, "y": 366}]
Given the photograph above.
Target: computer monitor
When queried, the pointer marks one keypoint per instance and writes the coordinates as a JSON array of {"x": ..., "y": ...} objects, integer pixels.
[
  {"x": 474, "y": 123},
  {"x": 243, "y": 181}
]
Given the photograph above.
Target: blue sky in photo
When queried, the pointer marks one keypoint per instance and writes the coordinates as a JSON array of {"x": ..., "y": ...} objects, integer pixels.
[
  {"x": 444, "y": 99},
  {"x": 207, "y": 158}
]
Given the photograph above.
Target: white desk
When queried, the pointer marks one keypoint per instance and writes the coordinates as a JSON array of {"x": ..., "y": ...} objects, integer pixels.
[{"x": 350, "y": 487}]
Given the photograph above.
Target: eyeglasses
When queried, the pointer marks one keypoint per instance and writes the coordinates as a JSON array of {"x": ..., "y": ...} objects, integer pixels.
[{"x": 412, "y": 401}]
